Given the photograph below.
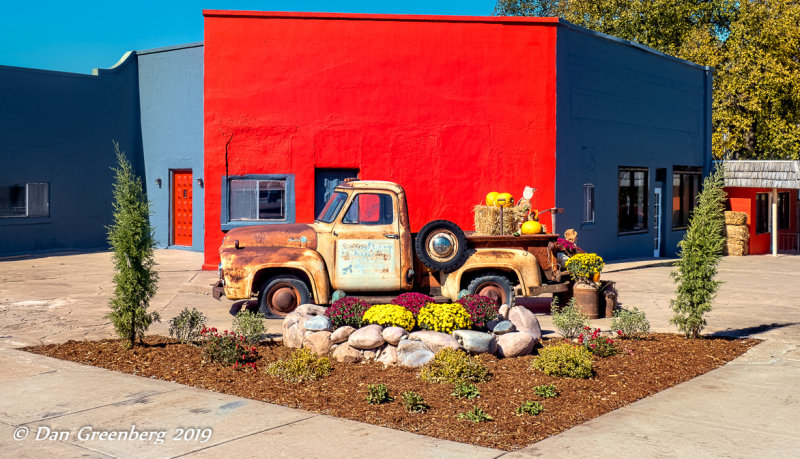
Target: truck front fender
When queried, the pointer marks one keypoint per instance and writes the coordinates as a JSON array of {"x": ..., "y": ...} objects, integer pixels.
[
  {"x": 241, "y": 267},
  {"x": 520, "y": 262}
]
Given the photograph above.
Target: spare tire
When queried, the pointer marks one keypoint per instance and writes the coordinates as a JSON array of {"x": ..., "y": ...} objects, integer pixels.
[{"x": 441, "y": 246}]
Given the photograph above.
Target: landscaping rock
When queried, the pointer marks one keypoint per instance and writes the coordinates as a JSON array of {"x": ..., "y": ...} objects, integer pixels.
[
  {"x": 337, "y": 295},
  {"x": 504, "y": 327},
  {"x": 525, "y": 321},
  {"x": 393, "y": 335},
  {"x": 415, "y": 359},
  {"x": 408, "y": 346},
  {"x": 370, "y": 354},
  {"x": 475, "y": 342},
  {"x": 319, "y": 342},
  {"x": 503, "y": 312},
  {"x": 368, "y": 337},
  {"x": 387, "y": 356},
  {"x": 434, "y": 340},
  {"x": 341, "y": 334},
  {"x": 318, "y": 323},
  {"x": 346, "y": 354},
  {"x": 294, "y": 324},
  {"x": 311, "y": 309},
  {"x": 515, "y": 344}
]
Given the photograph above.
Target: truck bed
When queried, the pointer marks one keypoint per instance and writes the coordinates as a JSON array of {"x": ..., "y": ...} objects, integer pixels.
[{"x": 538, "y": 245}]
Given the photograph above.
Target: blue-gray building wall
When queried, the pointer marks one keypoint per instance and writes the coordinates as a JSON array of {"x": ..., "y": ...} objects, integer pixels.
[
  {"x": 621, "y": 104},
  {"x": 57, "y": 128},
  {"x": 171, "y": 103}
]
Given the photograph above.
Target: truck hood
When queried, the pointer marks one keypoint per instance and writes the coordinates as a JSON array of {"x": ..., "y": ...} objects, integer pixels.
[{"x": 278, "y": 235}]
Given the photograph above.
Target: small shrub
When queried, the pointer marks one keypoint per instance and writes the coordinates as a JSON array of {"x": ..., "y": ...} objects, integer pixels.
[
  {"x": 530, "y": 407},
  {"x": 481, "y": 309},
  {"x": 302, "y": 365},
  {"x": 564, "y": 360},
  {"x": 377, "y": 394},
  {"x": 412, "y": 301},
  {"x": 568, "y": 319},
  {"x": 186, "y": 326},
  {"x": 466, "y": 390},
  {"x": 453, "y": 366},
  {"x": 475, "y": 415},
  {"x": 546, "y": 391},
  {"x": 389, "y": 315},
  {"x": 444, "y": 317},
  {"x": 597, "y": 344},
  {"x": 228, "y": 348},
  {"x": 630, "y": 323},
  {"x": 414, "y": 402},
  {"x": 250, "y": 325},
  {"x": 347, "y": 311}
]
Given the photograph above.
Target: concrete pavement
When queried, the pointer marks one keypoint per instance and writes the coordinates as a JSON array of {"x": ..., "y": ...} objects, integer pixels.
[{"x": 746, "y": 408}]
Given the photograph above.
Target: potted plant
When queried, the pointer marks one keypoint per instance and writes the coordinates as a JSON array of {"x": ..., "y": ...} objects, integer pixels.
[{"x": 585, "y": 270}]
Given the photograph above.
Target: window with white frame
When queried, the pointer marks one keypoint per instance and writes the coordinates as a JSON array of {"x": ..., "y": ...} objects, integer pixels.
[
  {"x": 25, "y": 200},
  {"x": 588, "y": 203},
  {"x": 257, "y": 199}
]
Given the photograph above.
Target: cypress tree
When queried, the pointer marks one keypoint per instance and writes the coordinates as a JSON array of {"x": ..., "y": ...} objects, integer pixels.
[
  {"x": 132, "y": 239},
  {"x": 700, "y": 253}
]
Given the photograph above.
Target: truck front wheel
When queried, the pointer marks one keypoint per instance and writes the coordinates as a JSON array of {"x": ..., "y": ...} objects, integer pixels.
[
  {"x": 494, "y": 286},
  {"x": 283, "y": 294}
]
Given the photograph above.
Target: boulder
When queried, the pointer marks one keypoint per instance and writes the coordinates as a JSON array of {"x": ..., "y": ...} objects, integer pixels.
[
  {"x": 370, "y": 354},
  {"x": 311, "y": 309},
  {"x": 408, "y": 346},
  {"x": 318, "y": 323},
  {"x": 525, "y": 321},
  {"x": 341, "y": 334},
  {"x": 504, "y": 327},
  {"x": 319, "y": 342},
  {"x": 393, "y": 335},
  {"x": 503, "y": 312},
  {"x": 475, "y": 342},
  {"x": 337, "y": 295},
  {"x": 434, "y": 340},
  {"x": 415, "y": 359},
  {"x": 294, "y": 325},
  {"x": 368, "y": 337},
  {"x": 515, "y": 344},
  {"x": 346, "y": 354},
  {"x": 387, "y": 356}
]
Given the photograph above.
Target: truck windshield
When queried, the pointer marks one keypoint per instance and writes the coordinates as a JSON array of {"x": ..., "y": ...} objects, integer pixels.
[{"x": 332, "y": 208}]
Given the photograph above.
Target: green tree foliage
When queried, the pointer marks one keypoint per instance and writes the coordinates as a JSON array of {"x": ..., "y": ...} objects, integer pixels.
[
  {"x": 753, "y": 46},
  {"x": 700, "y": 253},
  {"x": 132, "y": 240}
]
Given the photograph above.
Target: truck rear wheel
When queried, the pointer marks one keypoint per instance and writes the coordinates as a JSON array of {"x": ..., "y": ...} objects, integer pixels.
[
  {"x": 441, "y": 245},
  {"x": 494, "y": 286},
  {"x": 282, "y": 294}
]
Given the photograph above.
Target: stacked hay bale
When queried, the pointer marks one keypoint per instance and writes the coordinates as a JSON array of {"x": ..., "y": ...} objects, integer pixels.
[
  {"x": 487, "y": 218},
  {"x": 737, "y": 234}
]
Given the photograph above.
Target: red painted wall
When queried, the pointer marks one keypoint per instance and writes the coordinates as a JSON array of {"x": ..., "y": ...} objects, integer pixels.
[
  {"x": 449, "y": 107},
  {"x": 744, "y": 200}
]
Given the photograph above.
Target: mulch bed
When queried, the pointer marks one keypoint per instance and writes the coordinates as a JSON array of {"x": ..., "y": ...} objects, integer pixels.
[{"x": 641, "y": 369}]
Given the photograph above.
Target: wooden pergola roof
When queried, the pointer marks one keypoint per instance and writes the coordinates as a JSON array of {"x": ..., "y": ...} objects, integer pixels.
[{"x": 762, "y": 174}]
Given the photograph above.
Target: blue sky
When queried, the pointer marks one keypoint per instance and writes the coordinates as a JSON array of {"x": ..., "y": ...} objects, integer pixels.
[{"x": 77, "y": 36}]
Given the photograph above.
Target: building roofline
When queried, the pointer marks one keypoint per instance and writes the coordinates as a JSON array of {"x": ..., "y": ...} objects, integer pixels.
[
  {"x": 508, "y": 20},
  {"x": 163, "y": 49}
]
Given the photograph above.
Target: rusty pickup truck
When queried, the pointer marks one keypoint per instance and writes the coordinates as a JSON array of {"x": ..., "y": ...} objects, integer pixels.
[{"x": 362, "y": 244}]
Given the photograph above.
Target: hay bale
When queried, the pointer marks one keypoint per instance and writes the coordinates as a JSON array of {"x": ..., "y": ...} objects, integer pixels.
[
  {"x": 735, "y": 218},
  {"x": 736, "y": 248},
  {"x": 487, "y": 220},
  {"x": 737, "y": 232}
]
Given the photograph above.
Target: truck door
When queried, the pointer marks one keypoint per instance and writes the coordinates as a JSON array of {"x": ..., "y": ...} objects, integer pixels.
[{"x": 367, "y": 254}]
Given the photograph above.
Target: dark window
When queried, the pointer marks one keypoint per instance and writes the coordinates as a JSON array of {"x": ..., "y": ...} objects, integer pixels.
[
  {"x": 632, "y": 213},
  {"x": 685, "y": 187},
  {"x": 783, "y": 210},
  {"x": 588, "y": 203},
  {"x": 25, "y": 200},
  {"x": 762, "y": 213},
  {"x": 370, "y": 209}
]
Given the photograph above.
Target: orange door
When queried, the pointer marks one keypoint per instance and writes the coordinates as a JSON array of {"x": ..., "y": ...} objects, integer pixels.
[{"x": 182, "y": 208}]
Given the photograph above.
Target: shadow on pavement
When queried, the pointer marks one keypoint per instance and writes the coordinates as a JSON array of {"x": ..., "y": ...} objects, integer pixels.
[{"x": 747, "y": 331}]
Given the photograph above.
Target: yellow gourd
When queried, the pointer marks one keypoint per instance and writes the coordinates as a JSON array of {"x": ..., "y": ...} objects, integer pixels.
[
  {"x": 531, "y": 227},
  {"x": 504, "y": 200},
  {"x": 491, "y": 198}
]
